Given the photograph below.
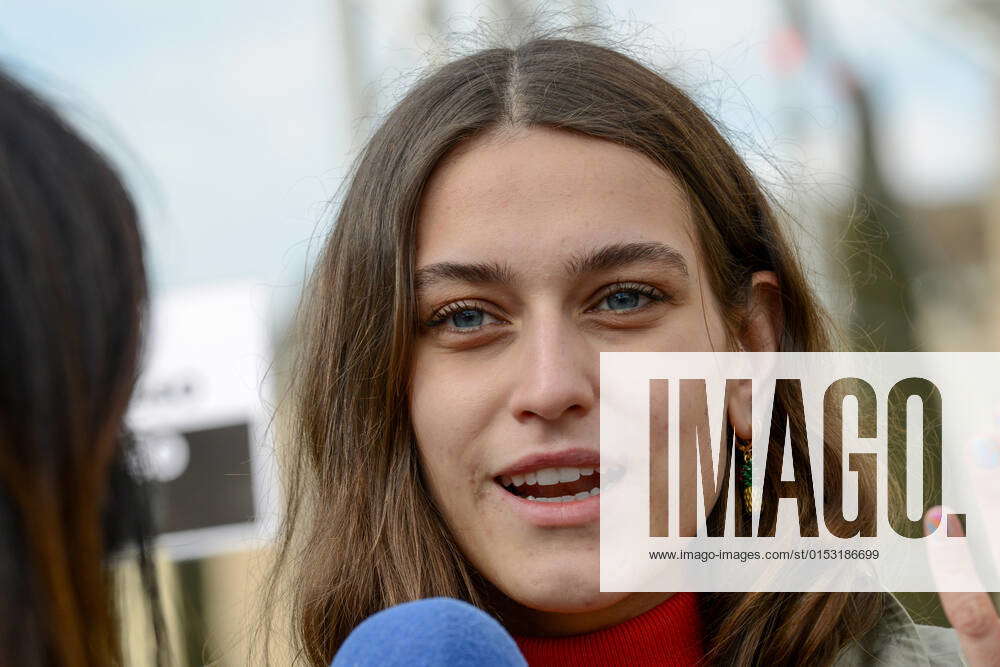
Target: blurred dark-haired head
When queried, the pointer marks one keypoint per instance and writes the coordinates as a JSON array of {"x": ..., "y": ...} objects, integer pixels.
[{"x": 72, "y": 298}]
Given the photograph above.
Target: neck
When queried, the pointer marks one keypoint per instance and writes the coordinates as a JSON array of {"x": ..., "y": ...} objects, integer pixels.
[{"x": 520, "y": 620}]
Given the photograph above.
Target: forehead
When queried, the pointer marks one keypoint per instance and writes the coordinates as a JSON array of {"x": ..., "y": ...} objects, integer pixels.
[{"x": 530, "y": 195}]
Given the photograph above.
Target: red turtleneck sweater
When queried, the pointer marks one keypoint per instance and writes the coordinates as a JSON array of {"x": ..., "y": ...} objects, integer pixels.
[{"x": 668, "y": 634}]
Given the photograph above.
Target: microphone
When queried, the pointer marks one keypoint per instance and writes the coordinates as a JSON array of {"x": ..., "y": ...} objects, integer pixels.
[{"x": 435, "y": 631}]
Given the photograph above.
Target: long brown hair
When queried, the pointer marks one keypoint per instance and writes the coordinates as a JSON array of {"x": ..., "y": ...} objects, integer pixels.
[
  {"x": 362, "y": 532},
  {"x": 72, "y": 300}
]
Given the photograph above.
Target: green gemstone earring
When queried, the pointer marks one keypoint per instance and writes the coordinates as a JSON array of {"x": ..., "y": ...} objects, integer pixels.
[{"x": 745, "y": 447}]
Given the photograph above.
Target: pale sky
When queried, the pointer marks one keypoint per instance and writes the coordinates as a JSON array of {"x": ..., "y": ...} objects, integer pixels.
[{"x": 233, "y": 119}]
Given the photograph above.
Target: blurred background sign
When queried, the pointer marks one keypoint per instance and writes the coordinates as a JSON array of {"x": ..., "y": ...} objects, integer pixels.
[{"x": 198, "y": 420}]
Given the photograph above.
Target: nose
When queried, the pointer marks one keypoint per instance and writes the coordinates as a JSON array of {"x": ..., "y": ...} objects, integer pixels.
[{"x": 555, "y": 373}]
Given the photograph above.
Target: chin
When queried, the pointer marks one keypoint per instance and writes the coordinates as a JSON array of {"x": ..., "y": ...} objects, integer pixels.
[
  {"x": 579, "y": 602},
  {"x": 565, "y": 588}
]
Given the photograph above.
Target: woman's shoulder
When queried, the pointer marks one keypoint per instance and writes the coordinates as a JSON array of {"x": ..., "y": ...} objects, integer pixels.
[
  {"x": 897, "y": 640},
  {"x": 942, "y": 645}
]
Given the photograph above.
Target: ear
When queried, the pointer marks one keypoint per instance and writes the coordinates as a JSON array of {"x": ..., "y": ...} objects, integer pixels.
[
  {"x": 765, "y": 317},
  {"x": 761, "y": 332}
]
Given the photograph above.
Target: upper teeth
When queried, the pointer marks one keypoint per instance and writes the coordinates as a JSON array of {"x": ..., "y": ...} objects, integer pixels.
[{"x": 547, "y": 476}]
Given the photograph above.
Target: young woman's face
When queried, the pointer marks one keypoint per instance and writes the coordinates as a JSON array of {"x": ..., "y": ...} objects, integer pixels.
[{"x": 537, "y": 250}]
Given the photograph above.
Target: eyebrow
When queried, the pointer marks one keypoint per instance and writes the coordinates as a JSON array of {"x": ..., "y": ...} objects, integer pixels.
[
  {"x": 622, "y": 254},
  {"x": 605, "y": 258}
]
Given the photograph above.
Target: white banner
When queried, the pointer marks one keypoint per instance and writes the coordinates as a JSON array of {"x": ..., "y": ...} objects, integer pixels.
[{"x": 200, "y": 424}]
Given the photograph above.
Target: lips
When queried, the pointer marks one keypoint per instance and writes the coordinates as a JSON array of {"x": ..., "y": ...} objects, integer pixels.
[
  {"x": 555, "y": 488},
  {"x": 553, "y": 513},
  {"x": 561, "y": 484},
  {"x": 566, "y": 458}
]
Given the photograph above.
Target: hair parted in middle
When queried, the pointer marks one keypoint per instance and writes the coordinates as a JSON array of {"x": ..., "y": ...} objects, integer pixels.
[{"x": 362, "y": 532}]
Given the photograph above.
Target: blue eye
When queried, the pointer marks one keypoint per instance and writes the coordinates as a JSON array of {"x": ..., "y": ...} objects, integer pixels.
[
  {"x": 467, "y": 318},
  {"x": 461, "y": 316},
  {"x": 623, "y": 300},
  {"x": 624, "y": 297}
]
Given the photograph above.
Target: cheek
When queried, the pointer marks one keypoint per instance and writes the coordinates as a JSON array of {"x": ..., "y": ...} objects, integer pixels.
[
  {"x": 456, "y": 392},
  {"x": 714, "y": 321},
  {"x": 434, "y": 428},
  {"x": 694, "y": 326},
  {"x": 450, "y": 410}
]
